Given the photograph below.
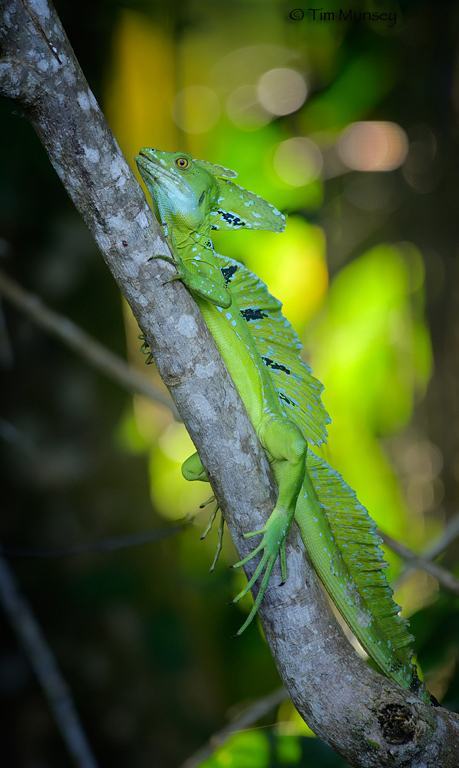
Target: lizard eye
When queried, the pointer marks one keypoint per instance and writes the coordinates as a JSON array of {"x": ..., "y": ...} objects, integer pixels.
[{"x": 182, "y": 163}]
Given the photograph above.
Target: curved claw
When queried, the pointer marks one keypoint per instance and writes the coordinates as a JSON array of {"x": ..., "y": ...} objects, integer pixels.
[
  {"x": 221, "y": 529},
  {"x": 283, "y": 559},
  {"x": 205, "y": 503},
  {"x": 145, "y": 350},
  {"x": 211, "y": 519}
]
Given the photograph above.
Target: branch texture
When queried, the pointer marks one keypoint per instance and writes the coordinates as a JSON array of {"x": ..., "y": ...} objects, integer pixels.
[{"x": 360, "y": 714}]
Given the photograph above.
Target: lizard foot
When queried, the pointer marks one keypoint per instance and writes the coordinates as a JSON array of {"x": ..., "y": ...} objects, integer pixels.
[
  {"x": 272, "y": 544},
  {"x": 221, "y": 526},
  {"x": 182, "y": 273},
  {"x": 145, "y": 350}
]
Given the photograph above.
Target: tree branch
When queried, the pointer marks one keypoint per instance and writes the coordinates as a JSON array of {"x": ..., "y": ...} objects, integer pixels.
[
  {"x": 74, "y": 337},
  {"x": 113, "y": 544},
  {"x": 44, "y": 665},
  {"x": 450, "y": 533},
  {"x": 243, "y": 720},
  {"x": 444, "y": 577},
  {"x": 361, "y": 714}
]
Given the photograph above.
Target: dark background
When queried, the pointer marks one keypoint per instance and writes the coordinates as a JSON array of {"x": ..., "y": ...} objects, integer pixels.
[{"x": 143, "y": 635}]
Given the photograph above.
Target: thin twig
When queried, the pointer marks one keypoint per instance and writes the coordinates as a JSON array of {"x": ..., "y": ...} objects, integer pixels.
[
  {"x": 450, "y": 533},
  {"x": 252, "y": 714},
  {"x": 443, "y": 576},
  {"x": 45, "y": 667},
  {"x": 6, "y": 353},
  {"x": 79, "y": 341},
  {"x": 105, "y": 545}
]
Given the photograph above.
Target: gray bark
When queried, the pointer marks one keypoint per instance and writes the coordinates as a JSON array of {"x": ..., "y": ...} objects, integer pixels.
[{"x": 363, "y": 716}]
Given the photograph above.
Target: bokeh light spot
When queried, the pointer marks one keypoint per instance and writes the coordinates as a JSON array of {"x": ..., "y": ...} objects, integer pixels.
[
  {"x": 282, "y": 91},
  {"x": 298, "y": 161},
  {"x": 373, "y": 146}
]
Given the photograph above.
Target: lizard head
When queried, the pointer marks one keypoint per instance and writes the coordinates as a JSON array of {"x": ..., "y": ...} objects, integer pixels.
[
  {"x": 192, "y": 194},
  {"x": 183, "y": 192}
]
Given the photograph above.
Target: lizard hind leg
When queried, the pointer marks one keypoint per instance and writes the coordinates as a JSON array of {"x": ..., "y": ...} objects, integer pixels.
[{"x": 287, "y": 448}]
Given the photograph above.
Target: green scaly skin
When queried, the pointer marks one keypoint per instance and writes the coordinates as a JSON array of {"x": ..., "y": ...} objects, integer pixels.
[{"x": 190, "y": 198}]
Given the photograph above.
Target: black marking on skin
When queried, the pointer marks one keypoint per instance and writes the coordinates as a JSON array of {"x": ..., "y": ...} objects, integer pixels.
[
  {"x": 231, "y": 219},
  {"x": 253, "y": 314},
  {"x": 228, "y": 273},
  {"x": 286, "y": 399},
  {"x": 275, "y": 366},
  {"x": 214, "y": 227},
  {"x": 202, "y": 197}
]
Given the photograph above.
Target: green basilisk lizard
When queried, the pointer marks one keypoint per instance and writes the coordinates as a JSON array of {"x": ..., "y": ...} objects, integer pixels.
[{"x": 262, "y": 354}]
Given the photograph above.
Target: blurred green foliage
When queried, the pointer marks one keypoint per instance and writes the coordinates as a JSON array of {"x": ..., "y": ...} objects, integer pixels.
[
  {"x": 258, "y": 750},
  {"x": 372, "y": 348},
  {"x": 367, "y": 272}
]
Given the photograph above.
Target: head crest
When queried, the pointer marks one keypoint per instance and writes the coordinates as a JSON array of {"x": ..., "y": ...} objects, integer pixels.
[{"x": 236, "y": 207}]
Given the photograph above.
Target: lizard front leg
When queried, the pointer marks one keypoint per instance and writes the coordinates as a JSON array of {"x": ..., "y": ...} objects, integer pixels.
[{"x": 201, "y": 277}]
